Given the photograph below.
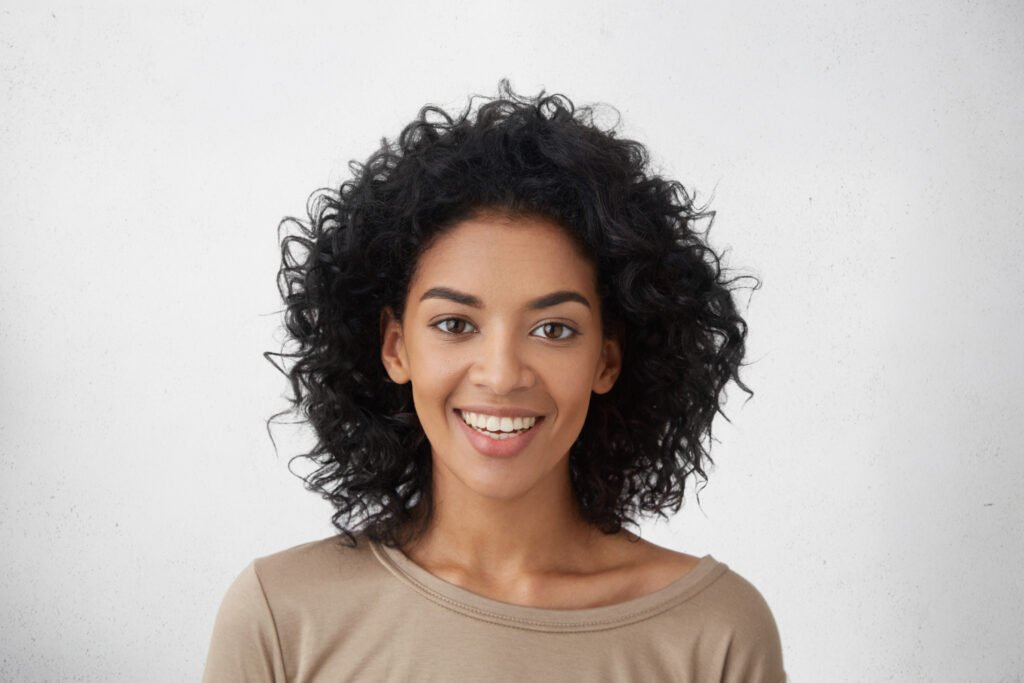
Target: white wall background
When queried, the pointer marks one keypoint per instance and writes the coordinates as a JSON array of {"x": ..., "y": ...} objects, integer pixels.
[{"x": 865, "y": 160}]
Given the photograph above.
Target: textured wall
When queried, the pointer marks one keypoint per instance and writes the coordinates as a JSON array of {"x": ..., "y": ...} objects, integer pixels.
[{"x": 865, "y": 162}]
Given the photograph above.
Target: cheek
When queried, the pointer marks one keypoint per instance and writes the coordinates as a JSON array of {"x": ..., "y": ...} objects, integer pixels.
[
  {"x": 571, "y": 383},
  {"x": 433, "y": 378}
]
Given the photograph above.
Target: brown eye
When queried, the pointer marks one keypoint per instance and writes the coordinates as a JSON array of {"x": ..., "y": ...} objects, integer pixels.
[
  {"x": 445, "y": 327},
  {"x": 547, "y": 327}
]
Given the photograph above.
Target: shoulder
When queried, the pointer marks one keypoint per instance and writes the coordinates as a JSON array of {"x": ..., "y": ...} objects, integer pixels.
[
  {"x": 289, "y": 599},
  {"x": 316, "y": 566},
  {"x": 738, "y": 602},
  {"x": 301, "y": 572},
  {"x": 737, "y": 615},
  {"x": 301, "y": 579}
]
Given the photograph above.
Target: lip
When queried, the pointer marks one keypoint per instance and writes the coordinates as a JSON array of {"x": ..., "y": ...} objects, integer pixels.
[{"x": 498, "y": 448}]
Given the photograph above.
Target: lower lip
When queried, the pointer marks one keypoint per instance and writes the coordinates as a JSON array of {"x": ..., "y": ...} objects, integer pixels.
[{"x": 498, "y": 448}]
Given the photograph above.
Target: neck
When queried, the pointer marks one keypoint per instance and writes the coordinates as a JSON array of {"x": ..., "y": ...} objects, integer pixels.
[{"x": 538, "y": 533}]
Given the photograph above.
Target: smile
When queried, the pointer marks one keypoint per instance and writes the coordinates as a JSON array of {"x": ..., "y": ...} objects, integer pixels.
[
  {"x": 498, "y": 427},
  {"x": 499, "y": 443}
]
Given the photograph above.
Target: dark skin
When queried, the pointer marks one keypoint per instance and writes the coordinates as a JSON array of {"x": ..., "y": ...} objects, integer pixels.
[{"x": 508, "y": 528}]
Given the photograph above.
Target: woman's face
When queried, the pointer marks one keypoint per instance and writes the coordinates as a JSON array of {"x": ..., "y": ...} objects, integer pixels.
[{"x": 471, "y": 337}]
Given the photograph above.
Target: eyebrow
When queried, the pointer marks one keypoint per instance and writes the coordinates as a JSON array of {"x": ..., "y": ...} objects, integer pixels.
[{"x": 546, "y": 301}]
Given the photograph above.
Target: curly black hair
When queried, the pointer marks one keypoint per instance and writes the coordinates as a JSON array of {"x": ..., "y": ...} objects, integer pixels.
[{"x": 662, "y": 292}]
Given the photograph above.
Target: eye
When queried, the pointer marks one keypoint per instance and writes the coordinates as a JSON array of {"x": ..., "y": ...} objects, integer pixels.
[
  {"x": 561, "y": 326},
  {"x": 441, "y": 325},
  {"x": 452, "y": 327}
]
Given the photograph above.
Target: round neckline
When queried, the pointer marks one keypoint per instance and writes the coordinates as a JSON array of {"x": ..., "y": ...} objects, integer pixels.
[{"x": 468, "y": 603}]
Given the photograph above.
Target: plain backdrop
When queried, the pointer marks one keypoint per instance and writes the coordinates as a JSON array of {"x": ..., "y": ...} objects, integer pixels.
[{"x": 865, "y": 161}]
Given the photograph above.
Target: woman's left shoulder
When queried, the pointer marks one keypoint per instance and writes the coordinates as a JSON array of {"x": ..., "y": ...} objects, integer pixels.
[
  {"x": 737, "y": 635},
  {"x": 728, "y": 594},
  {"x": 740, "y": 602},
  {"x": 739, "y": 614}
]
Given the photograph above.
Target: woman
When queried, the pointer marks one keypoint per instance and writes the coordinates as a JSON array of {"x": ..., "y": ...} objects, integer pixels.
[{"x": 511, "y": 339}]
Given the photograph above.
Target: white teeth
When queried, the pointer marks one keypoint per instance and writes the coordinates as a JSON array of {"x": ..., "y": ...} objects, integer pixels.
[
  {"x": 497, "y": 437},
  {"x": 492, "y": 423}
]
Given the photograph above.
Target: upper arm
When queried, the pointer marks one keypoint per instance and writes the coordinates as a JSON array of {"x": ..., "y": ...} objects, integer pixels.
[{"x": 244, "y": 646}]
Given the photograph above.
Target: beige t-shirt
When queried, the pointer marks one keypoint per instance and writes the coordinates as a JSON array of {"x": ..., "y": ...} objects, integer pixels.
[{"x": 322, "y": 611}]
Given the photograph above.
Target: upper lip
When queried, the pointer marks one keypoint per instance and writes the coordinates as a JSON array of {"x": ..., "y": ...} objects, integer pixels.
[{"x": 501, "y": 411}]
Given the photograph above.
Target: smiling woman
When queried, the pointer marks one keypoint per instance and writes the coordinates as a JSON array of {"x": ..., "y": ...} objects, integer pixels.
[
  {"x": 553, "y": 338},
  {"x": 506, "y": 365}
]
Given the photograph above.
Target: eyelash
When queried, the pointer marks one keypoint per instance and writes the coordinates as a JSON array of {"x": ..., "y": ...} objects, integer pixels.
[{"x": 575, "y": 332}]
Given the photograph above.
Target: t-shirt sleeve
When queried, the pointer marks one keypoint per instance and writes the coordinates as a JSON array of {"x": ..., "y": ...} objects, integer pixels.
[
  {"x": 755, "y": 650},
  {"x": 244, "y": 646}
]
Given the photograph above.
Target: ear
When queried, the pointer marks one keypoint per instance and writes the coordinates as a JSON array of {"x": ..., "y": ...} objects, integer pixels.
[
  {"x": 392, "y": 351},
  {"x": 609, "y": 366}
]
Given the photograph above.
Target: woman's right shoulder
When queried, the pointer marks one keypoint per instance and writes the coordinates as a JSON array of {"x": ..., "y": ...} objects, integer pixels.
[
  {"x": 317, "y": 565},
  {"x": 299, "y": 581},
  {"x": 310, "y": 588}
]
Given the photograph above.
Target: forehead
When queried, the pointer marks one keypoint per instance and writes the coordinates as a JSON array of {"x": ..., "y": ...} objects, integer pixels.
[{"x": 517, "y": 255}]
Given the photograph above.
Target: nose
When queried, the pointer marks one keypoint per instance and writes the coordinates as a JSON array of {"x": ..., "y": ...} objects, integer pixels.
[{"x": 499, "y": 365}]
